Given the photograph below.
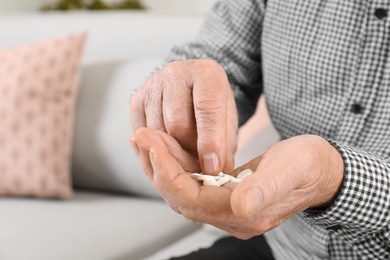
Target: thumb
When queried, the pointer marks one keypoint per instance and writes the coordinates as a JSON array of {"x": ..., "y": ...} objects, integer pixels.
[
  {"x": 210, "y": 97},
  {"x": 264, "y": 188}
]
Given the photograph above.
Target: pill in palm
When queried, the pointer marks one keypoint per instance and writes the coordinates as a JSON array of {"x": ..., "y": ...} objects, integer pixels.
[
  {"x": 211, "y": 182},
  {"x": 245, "y": 173},
  {"x": 203, "y": 177},
  {"x": 223, "y": 180},
  {"x": 220, "y": 179}
]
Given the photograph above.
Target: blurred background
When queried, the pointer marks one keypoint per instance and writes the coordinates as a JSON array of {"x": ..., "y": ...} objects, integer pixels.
[
  {"x": 158, "y": 5},
  {"x": 115, "y": 212}
]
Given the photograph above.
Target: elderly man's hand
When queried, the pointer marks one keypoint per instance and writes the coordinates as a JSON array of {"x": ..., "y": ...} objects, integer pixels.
[
  {"x": 193, "y": 102},
  {"x": 293, "y": 175}
]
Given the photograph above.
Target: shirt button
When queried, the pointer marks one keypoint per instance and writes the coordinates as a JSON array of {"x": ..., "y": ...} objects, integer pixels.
[
  {"x": 335, "y": 227},
  {"x": 380, "y": 13},
  {"x": 356, "y": 108}
]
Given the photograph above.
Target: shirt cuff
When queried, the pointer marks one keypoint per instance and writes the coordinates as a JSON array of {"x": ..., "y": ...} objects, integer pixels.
[{"x": 362, "y": 206}]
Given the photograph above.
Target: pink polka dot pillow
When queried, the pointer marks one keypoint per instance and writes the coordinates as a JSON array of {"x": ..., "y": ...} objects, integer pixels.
[{"x": 38, "y": 86}]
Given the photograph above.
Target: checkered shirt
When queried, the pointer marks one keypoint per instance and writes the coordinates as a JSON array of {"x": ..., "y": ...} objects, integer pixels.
[{"x": 324, "y": 67}]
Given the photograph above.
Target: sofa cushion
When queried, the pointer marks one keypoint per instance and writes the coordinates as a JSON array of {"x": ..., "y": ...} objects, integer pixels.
[
  {"x": 37, "y": 94},
  {"x": 102, "y": 155},
  {"x": 90, "y": 226}
]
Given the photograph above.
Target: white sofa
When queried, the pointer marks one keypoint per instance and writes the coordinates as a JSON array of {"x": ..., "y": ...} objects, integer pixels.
[{"x": 115, "y": 212}]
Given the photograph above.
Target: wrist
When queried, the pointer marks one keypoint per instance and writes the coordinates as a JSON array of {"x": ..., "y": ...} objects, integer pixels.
[
  {"x": 334, "y": 174},
  {"x": 331, "y": 175}
]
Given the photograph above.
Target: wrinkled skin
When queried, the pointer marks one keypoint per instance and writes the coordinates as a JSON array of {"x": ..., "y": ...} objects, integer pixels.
[{"x": 191, "y": 101}]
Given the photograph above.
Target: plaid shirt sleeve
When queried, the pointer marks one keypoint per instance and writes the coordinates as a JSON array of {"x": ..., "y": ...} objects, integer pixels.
[
  {"x": 230, "y": 35},
  {"x": 361, "y": 212},
  {"x": 324, "y": 68}
]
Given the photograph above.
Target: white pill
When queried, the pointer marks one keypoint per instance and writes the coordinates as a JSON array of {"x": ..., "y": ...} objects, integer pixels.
[
  {"x": 223, "y": 180},
  {"x": 232, "y": 178},
  {"x": 217, "y": 178},
  {"x": 245, "y": 173},
  {"x": 203, "y": 177},
  {"x": 195, "y": 175},
  {"x": 210, "y": 182},
  {"x": 220, "y": 179}
]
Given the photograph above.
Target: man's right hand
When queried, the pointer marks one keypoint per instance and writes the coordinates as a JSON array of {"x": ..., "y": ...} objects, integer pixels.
[{"x": 192, "y": 101}]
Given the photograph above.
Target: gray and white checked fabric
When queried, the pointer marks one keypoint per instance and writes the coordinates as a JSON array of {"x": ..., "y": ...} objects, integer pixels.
[{"x": 324, "y": 67}]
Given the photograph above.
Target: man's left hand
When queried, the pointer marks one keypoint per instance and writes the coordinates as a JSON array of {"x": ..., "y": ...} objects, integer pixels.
[{"x": 293, "y": 175}]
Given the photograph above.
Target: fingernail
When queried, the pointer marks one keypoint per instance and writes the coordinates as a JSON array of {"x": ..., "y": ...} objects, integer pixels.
[
  {"x": 253, "y": 201},
  {"x": 210, "y": 162},
  {"x": 135, "y": 147}
]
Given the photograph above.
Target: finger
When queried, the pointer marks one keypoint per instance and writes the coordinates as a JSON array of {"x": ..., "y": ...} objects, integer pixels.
[
  {"x": 174, "y": 184},
  {"x": 185, "y": 159},
  {"x": 146, "y": 138},
  {"x": 232, "y": 133},
  {"x": 153, "y": 102},
  {"x": 144, "y": 158},
  {"x": 267, "y": 186},
  {"x": 137, "y": 113},
  {"x": 143, "y": 140},
  {"x": 210, "y": 105},
  {"x": 178, "y": 110},
  {"x": 199, "y": 203}
]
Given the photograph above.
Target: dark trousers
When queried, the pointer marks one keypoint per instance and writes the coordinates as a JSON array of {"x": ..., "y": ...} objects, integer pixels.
[{"x": 231, "y": 248}]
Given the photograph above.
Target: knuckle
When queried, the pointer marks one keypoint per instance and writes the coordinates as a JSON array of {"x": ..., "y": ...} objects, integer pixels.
[
  {"x": 178, "y": 123},
  {"x": 172, "y": 68},
  {"x": 208, "y": 112},
  {"x": 178, "y": 129},
  {"x": 175, "y": 186},
  {"x": 208, "y": 105}
]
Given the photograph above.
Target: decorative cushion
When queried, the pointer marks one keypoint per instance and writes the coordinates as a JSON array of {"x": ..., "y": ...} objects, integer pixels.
[{"x": 38, "y": 84}]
